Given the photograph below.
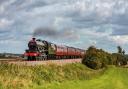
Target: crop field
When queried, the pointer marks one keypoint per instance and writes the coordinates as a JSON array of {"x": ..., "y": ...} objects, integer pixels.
[{"x": 113, "y": 78}]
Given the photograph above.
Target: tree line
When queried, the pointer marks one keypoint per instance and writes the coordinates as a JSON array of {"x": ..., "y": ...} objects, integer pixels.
[{"x": 98, "y": 58}]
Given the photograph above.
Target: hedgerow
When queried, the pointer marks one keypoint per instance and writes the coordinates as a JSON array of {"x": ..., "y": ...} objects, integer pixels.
[{"x": 98, "y": 58}]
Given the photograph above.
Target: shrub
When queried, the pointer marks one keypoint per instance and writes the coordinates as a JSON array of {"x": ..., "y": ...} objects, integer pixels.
[
  {"x": 95, "y": 58},
  {"x": 98, "y": 58}
]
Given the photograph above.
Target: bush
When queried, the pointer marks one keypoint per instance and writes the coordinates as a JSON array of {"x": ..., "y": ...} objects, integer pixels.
[
  {"x": 98, "y": 58},
  {"x": 120, "y": 59}
]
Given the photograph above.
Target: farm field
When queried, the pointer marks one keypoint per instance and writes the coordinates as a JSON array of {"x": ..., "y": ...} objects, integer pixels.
[{"x": 113, "y": 78}]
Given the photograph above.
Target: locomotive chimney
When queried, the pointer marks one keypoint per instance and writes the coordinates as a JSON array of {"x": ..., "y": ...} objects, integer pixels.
[{"x": 33, "y": 38}]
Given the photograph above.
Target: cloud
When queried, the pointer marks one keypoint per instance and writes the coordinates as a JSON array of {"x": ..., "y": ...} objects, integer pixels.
[
  {"x": 120, "y": 40},
  {"x": 120, "y": 30},
  {"x": 75, "y": 22},
  {"x": 4, "y": 22}
]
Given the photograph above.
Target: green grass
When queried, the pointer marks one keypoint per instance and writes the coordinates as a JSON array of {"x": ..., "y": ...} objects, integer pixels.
[
  {"x": 28, "y": 77},
  {"x": 113, "y": 78},
  {"x": 71, "y": 76}
]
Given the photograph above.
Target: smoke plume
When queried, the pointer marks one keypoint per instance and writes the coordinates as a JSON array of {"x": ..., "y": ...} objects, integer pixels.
[{"x": 58, "y": 34}]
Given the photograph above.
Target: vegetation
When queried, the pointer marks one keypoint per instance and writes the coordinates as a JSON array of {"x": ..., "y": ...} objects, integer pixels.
[
  {"x": 98, "y": 58},
  {"x": 113, "y": 78},
  {"x": 27, "y": 77},
  {"x": 51, "y": 76},
  {"x": 120, "y": 50}
]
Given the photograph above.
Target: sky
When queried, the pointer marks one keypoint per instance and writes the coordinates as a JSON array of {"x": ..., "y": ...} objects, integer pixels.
[{"x": 77, "y": 23}]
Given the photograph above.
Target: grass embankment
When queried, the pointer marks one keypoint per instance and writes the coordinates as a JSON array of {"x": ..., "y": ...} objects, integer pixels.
[
  {"x": 113, "y": 78},
  {"x": 33, "y": 77}
]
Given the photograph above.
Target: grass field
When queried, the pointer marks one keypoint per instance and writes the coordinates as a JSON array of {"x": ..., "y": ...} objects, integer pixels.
[
  {"x": 71, "y": 76},
  {"x": 28, "y": 77},
  {"x": 113, "y": 78}
]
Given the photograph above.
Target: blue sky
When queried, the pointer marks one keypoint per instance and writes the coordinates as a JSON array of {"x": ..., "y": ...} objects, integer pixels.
[{"x": 78, "y": 23}]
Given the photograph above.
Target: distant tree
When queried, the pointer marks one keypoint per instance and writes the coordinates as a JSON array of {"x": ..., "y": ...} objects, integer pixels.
[
  {"x": 123, "y": 52},
  {"x": 121, "y": 57},
  {"x": 119, "y": 49}
]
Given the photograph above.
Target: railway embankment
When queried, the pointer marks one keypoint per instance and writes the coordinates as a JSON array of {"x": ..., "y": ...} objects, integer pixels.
[
  {"x": 113, "y": 78},
  {"x": 27, "y": 77}
]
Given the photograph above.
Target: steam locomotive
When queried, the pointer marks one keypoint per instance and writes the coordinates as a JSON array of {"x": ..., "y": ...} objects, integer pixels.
[{"x": 44, "y": 50}]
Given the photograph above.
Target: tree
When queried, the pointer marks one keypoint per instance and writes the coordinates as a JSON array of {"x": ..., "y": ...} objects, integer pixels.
[
  {"x": 121, "y": 57},
  {"x": 119, "y": 49},
  {"x": 123, "y": 52}
]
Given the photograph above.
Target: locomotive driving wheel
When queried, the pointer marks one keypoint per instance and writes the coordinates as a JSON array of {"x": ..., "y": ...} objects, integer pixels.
[
  {"x": 31, "y": 58},
  {"x": 41, "y": 57}
]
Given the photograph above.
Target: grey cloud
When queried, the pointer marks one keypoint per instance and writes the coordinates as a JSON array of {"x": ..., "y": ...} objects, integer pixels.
[
  {"x": 5, "y": 36},
  {"x": 2, "y": 1},
  {"x": 120, "y": 30},
  {"x": 121, "y": 20},
  {"x": 63, "y": 17}
]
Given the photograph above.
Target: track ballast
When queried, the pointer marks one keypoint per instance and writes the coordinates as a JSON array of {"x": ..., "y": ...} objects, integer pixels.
[{"x": 45, "y": 62}]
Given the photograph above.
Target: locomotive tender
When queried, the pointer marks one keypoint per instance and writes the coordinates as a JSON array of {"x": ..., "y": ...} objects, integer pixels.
[{"x": 44, "y": 50}]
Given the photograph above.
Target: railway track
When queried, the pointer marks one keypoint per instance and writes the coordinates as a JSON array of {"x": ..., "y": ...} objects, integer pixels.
[
  {"x": 45, "y": 62},
  {"x": 9, "y": 60}
]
